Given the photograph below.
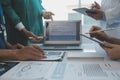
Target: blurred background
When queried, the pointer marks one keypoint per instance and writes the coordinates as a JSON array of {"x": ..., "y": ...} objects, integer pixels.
[{"x": 63, "y": 11}]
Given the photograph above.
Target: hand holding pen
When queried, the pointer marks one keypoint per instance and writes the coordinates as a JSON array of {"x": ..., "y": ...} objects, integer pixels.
[
  {"x": 98, "y": 33},
  {"x": 109, "y": 29}
]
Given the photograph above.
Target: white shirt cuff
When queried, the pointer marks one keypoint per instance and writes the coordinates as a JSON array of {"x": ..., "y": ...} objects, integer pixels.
[
  {"x": 43, "y": 10},
  {"x": 20, "y": 26}
]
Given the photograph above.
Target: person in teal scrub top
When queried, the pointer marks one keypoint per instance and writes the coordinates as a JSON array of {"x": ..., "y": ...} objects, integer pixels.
[
  {"x": 24, "y": 20},
  {"x": 16, "y": 52}
]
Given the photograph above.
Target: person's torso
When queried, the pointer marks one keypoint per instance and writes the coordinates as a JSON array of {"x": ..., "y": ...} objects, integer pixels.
[
  {"x": 108, "y": 4},
  {"x": 29, "y": 12}
]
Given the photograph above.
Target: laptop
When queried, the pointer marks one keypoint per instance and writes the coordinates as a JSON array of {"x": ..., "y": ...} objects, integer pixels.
[
  {"x": 64, "y": 71},
  {"x": 62, "y": 35}
]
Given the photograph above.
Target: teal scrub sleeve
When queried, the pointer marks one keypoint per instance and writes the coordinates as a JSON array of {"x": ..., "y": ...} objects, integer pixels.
[{"x": 10, "y": 13}]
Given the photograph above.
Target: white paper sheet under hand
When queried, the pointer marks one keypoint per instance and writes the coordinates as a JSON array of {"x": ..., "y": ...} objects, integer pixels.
[{"x": 54, "y": 55}]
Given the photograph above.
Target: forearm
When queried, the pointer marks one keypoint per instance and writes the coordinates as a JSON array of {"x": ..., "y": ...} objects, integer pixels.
[
  {"x": 7, "y": 55},
  {"x": 113, "y": 40}
]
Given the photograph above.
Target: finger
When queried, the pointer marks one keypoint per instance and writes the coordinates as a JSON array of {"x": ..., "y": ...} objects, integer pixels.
[
  {"x": 35, "y": 41},
  {"x": 92, "y": 6},
  {"x": 91, "y": 29},
  {"x": 97, "y": 5},
  {"x": 109, "y": 45},
  {"x": 96, "y": 28},
  {"x": 51, "y": 13},
  {"x": 31, "y": 35},
  {"x": 36, "y": 52},
  {"x": 40, "y": 49},
  {"x": 19, "y": 46},
  {"x": 106, "y": 48}
]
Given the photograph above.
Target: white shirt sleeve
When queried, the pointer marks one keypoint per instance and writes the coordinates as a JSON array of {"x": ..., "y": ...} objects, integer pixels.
[
  {"x": 43, "y": 10},
  {"x": 20, "y": 26},
  {"x": 111, "y": 10}
]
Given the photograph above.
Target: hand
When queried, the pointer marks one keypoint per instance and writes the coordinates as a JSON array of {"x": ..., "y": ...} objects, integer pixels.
[
  {"x": 99, "y": 35},
  {"x": 114, "y": 50},
  {"x": 30, "y": 34},
  {"x": 30, "y": 53},
  {"x": 95, "y": 5},
  {"x": 47, "y": 15},
  {"x": 98, "y": 15},
  {"x": 99, "y": 12},
  {"x": 39, "y": 38}
]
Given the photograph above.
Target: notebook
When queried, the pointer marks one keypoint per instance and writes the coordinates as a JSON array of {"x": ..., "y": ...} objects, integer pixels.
[
  {"x": 62, "y": 35},
  {"x": 64, "y": 71}
]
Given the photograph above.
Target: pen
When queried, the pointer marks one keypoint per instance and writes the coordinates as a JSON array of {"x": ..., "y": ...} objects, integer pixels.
[{"x": 101, "y": 30}]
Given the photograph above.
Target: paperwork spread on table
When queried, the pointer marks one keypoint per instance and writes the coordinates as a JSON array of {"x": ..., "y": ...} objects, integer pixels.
[{"x": 64, "y": 71}]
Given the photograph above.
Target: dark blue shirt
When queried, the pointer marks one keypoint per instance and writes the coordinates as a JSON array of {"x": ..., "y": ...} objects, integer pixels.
[{"x": 2, "y": 27}]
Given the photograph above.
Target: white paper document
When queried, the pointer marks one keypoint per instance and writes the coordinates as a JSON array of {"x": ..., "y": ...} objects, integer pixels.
[
  {"x": 85, "y": 55},
  {"x": 64, "y": 71},
  {"x": 54, "y": 55}
]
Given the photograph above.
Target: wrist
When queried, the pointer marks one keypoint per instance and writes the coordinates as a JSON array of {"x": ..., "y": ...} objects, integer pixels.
[
  {"x": 109, "y": 39},
  {"x": 15, "y": 55},
  {"x": 24, "y": 31},
  {"x": 20, "y": 26}
]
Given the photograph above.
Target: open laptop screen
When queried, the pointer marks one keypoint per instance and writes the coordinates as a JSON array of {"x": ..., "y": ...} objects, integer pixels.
[{"x": 62, "y": 33}]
